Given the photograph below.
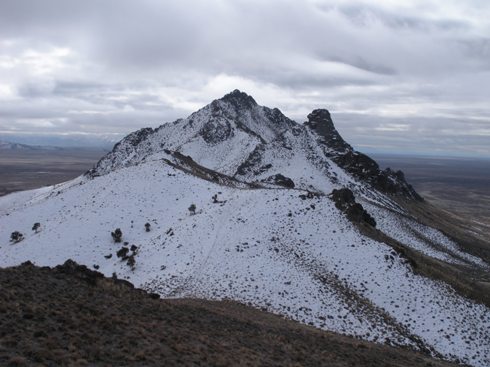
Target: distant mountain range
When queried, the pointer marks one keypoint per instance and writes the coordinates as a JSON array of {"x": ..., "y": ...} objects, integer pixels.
[
  {"x": 63, "y": 141},
  {"x": 18, "y": 147},
  {"x": 5, "y": 145},
  {"x": 237, "y": 201}
]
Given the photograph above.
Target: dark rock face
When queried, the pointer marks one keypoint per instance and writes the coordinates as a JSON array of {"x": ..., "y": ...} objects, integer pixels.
[
  {"x": 343, "y": 198},
  {"x": 244, "y": 109},
  {"x": 345, "y": 201},
  {"x": 321, "y": 122},
  {"x": 356, "y": 213},
  {"x": 239, "y": 100},
  {"x": 357, "y": 164},
  {"x": 280, "y": 180},
  {"x": 252, "y": 161},
  {"x": 216, "y": 130},
  {"x": 277, "y": 117}
]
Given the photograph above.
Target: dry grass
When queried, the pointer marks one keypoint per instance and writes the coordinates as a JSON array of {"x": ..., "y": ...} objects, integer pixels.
[{"x": 73, "y": 316}]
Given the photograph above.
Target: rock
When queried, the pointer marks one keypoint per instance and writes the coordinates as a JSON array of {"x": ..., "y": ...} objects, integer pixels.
[
  {"x": 321, "y": 122},
  {"x": 216, "y": 130},
  {"x": 240, "y": 100},
  {"x": 280, "y": 180},
  {"x": 357, "y": 164},
  {"x": 252, "y": 161},
  {"x": 343, "y": 198},
  {"x": 345, "y": 201}
]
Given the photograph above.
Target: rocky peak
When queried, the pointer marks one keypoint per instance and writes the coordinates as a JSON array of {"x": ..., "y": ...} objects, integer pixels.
[
  {"x": 239, "y": 111},
  {"x": 239, "y": 100},
  {"x": 225, "y": 123},
  {"x": 320, "y": 117},
  {"x": 357, "y": 164},
  {"x": 321, "y": 123}
]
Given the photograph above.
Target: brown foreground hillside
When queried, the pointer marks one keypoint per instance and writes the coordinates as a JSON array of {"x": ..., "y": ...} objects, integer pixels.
[{"x": 73, "y": 316}]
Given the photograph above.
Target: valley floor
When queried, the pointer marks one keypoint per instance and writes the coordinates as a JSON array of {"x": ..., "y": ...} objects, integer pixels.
[
  {"x": 70, "y": 315},
  {"x": 25, "y": 170},
  {"x": 458, "y": 185}
]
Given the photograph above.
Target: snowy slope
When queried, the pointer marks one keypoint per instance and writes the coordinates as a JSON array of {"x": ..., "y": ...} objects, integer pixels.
[{"x": 260, "y": 243}]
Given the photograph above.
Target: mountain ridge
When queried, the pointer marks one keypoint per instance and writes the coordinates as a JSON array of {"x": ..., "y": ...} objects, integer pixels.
[
  {"x": 6, "y": 145},
  {"x": 237, "y": 111}
]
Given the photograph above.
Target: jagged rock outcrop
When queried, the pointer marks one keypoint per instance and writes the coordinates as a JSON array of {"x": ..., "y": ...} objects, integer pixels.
[
  {"x": 359, "y": 165},
  {"x": 280, "y": 180},
  {"x": 239, "y": 100},
  {"x": 320, "y": 121},
  {"x": 345, "y": 201}
]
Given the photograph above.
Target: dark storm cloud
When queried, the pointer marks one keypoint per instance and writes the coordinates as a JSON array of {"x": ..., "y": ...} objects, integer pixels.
[{"x": 411, "y": 72}]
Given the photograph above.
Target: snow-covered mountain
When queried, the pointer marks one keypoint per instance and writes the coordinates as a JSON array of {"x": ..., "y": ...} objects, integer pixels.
[{"x": 288, "y": 217}]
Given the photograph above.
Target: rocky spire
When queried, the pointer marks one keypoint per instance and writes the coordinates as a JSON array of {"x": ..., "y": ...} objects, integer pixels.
[
  {"x": 321, "y": 123},
  {"x": 359, "y": 165}
]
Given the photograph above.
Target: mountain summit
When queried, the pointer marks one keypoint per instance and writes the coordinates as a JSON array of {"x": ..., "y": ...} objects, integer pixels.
[
  {"x": 237, "y": 137},
  {"x": 237, "y": 201}
]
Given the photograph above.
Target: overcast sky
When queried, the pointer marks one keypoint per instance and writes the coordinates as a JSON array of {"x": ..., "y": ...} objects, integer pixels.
[{"x": 397, "y": 76}]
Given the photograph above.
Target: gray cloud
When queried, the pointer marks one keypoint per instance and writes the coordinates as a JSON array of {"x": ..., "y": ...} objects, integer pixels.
[{"x": 417, "y": 74}]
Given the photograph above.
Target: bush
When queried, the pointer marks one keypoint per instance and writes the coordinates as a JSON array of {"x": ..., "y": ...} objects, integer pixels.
[
  {"x": 131, "y": 262},
  {"x": 117, "y": 235},
  {"x": 36, "y": 227},
  {"x": 123, "y": 253},
  {"x": 16, "y": 236},
  {"x": 192, "y": 209}
]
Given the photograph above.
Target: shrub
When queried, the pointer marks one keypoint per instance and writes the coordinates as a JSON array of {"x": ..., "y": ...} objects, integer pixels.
[
  {"x": 192, "y": 209},
  {"x": 147, "y": 227},
  {"x": 131, "y": 262},
  {"x": 36, "y": 227},
  {"x": 16, "y": 236},
  {"x": 123, "y": 253},
  {"x": 117, "y": 235}
]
